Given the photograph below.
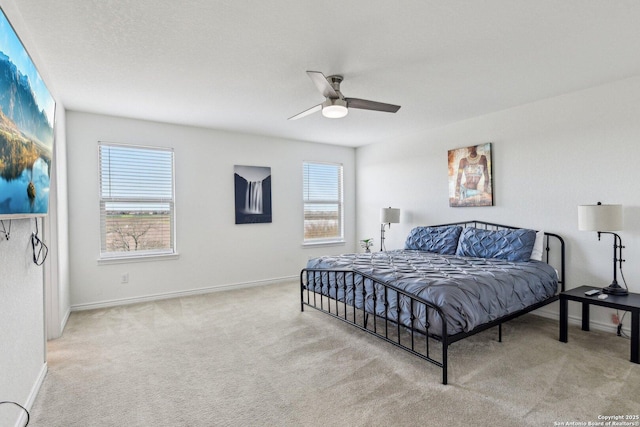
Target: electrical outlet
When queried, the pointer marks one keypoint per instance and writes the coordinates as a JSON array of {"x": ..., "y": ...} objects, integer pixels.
[
  {"x": 615, "y": 319},
  {"x": 124, "y": 278}
]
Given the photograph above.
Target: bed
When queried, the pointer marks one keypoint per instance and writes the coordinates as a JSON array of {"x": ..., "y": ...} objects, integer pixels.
[{"x": 449, "y": 282}]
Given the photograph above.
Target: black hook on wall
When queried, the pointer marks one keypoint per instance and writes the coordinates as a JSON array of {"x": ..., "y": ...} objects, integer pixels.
[{"x": 4, "y": 230}]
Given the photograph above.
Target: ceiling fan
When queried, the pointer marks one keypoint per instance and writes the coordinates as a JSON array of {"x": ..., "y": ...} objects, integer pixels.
[{"x": 336, "y": 105}]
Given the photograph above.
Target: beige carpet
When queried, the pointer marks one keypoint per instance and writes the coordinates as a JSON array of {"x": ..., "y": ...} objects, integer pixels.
[{"x": 249, "y": 357}]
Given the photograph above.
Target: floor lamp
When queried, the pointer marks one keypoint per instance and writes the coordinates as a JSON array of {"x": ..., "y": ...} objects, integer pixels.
[
  {"x": 387, "y": 216},
  {"x": 605, "y": 219}
]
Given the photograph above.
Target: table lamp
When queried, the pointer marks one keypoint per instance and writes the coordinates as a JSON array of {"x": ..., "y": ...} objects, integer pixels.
[
  {"x": 605, "y": 219},
  {"x": 387, "y": 216}
]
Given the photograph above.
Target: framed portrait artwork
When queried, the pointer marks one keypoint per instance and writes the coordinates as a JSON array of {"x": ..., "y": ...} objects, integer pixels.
[{"x": 470, "y": 181}]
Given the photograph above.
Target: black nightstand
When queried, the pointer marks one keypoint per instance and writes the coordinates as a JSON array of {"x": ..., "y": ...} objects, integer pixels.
[{"x": 629, "y": 302}]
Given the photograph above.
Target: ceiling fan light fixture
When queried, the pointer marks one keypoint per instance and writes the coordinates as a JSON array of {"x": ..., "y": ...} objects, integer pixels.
[
  {"x": 334, "y": 108},
  {"x": 336, "y": 105}
]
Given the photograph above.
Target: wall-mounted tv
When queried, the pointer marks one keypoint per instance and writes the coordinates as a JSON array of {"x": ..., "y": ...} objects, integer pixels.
[{"x": 26, "y": 130}]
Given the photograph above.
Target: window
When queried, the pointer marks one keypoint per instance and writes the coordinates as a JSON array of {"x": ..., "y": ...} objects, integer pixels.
[
  {"x": 323, "y": 210},
  {"x": 136, "y": 201}
]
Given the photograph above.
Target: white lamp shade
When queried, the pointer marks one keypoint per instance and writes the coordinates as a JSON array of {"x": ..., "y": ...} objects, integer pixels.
[
  {"x": 389, "y": 216},
  {"x": 600, "y": 217}
]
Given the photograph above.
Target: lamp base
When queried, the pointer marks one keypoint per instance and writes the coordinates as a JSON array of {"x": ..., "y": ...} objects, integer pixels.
[{"x": 615, "y": 289}]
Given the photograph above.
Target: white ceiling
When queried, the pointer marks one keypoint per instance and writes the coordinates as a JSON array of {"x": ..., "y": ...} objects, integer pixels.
[{"x": 240, "y": 65}]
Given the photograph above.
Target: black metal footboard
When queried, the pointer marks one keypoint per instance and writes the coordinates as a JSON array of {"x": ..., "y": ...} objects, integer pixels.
[{"x": 378, "y": 308}]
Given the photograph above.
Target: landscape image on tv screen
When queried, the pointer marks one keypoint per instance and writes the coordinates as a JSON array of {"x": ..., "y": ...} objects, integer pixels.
[{"x": 26, "y": 130}]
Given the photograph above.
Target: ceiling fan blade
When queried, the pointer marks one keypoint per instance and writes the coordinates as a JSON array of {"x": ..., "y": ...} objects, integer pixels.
[
  {"x": 323, "y": 85},
  {"x": 371, "y": 105},
  {"x": 306, "y": 112}
]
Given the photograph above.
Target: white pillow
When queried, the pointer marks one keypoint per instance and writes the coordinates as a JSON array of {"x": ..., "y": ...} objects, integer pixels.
[{"x": 537, "y": 251}]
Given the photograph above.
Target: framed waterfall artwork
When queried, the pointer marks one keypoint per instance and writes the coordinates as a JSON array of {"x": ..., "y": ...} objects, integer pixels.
[
  {"x": 252, "y": 194},
  {"x": 470, "y": 181}
]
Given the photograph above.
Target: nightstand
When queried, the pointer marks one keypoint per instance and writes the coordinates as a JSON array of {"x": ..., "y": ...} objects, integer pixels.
[{"x": 629, "y": 303}]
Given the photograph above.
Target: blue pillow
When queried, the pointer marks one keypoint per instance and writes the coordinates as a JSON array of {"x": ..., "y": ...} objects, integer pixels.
[
  {"x": 510, "y": 245},
  {"x": 441, "y": 240}
]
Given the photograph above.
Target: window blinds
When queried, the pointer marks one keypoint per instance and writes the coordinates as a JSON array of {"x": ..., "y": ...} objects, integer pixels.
[
  {"x": 322, "y": 196},
  {"x": 136, "y": 200}
]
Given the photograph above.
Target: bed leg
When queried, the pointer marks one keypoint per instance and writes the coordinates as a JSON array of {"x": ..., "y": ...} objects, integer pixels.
[
  {"x": 500, "y": 332},
  {"x": 444, "y": 362},
  {"x": 302, "y": 282},
  {"x": 366, "y": 319}
]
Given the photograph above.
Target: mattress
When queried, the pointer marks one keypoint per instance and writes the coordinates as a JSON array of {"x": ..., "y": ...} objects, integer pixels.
[{"x": 469, "y": 291}]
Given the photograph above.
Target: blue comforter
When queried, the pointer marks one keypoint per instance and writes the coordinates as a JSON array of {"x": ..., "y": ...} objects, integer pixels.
[{"x": 470, "y": 291}]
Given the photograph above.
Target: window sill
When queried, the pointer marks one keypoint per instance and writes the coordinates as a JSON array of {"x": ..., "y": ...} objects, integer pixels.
[
  {"x": 138, "y": 258},
  {"x": 323, "y": 243}
]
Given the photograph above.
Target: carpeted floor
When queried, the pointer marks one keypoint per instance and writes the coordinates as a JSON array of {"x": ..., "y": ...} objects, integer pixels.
[{"x": 249, "y": 357}]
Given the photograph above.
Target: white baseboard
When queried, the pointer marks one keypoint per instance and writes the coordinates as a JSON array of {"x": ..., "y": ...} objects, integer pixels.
[
  {"x": 32, "y": 395},
  {"x": 178, "y": 294},
  {"x": 543, "y": 312},
  {"x": 577, "y": 320},
  {"x": 64, "y": 321}
]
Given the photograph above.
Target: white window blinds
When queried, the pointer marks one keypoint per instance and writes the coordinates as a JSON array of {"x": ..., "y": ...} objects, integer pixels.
[
  {"x": 136, "y": 201},
  {"x": 322, "y": 195}
]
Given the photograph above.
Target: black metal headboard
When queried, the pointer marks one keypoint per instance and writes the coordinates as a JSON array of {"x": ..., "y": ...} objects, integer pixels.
[{"x": 555, "y": 257}]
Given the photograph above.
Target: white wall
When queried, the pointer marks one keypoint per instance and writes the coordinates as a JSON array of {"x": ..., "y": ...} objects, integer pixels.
[
  {"x": 214, "y": 252},
  {"x": 28, "y": 291},
  {"x": 548, "y": 157},
  {"x": 22, "y": 321},
  {"x": 56, "y": 267},
  {"x": 22, "y": 342}
]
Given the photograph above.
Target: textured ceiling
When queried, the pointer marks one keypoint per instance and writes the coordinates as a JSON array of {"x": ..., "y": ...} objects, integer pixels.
[{"x": 240, "y": 65}]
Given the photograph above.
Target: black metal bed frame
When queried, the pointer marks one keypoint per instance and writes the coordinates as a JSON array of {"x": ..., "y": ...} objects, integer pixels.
[{"x": 408, "y": 337}]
